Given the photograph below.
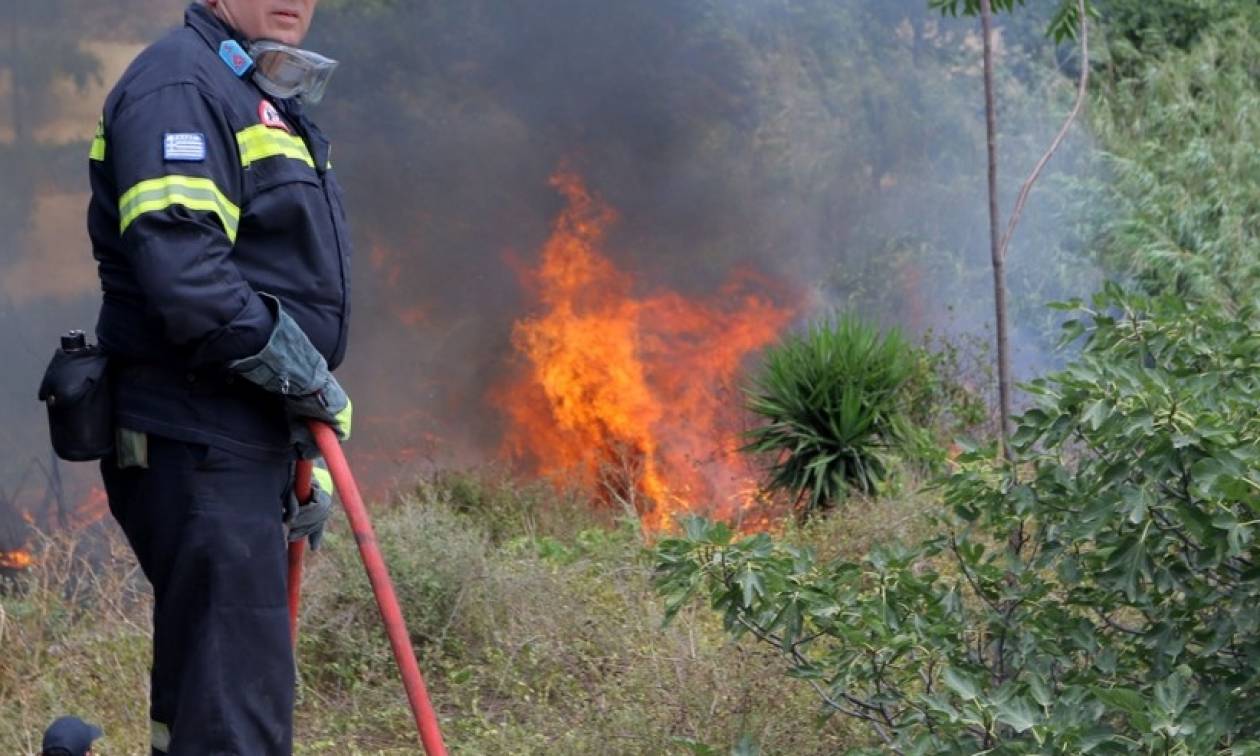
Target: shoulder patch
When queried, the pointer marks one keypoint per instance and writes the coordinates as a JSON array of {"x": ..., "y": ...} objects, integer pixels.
[
  {"x": 235, "y": 57},
  {"x": 184, "y": 148}
]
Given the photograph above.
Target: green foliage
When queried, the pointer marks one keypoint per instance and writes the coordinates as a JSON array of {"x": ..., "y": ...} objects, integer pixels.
[
  {"x": 1146, "y": 29},
  {"x": 946, "y": 392},
  {"x": 833, "y": 410},
  {"x": 1180, "y": 129},
  {"x": 1065, "y": 24},
  {"x": 1100, "y": 596}
]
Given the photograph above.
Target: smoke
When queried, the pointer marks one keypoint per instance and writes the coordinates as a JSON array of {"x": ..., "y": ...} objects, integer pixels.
[{"x": 836, "y": 145}]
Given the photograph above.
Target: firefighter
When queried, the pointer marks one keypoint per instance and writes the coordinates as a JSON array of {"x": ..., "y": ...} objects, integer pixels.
[{"x": 224, "y": 258}]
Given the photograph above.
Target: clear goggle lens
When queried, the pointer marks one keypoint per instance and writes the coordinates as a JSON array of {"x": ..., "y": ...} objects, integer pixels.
[{"x": 286, "y": 72}]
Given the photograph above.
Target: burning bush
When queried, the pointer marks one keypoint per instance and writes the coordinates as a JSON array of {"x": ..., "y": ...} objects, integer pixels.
[
  {"x": 833, "y": 405},
  {"x": 623, "y": 389}
]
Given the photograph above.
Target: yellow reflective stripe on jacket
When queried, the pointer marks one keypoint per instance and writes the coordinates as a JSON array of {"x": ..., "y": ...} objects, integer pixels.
[
  {"x": 98, "y": 142},
  {"x": 191, "y": 192},
  {"x": 260, "y": 142}
]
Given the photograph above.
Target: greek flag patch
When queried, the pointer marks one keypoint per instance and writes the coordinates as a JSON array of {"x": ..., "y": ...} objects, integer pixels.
[{"x": 184, "y": 148}]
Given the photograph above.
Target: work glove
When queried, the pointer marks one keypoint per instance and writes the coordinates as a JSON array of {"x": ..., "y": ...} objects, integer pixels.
[
  {"x": 289, "y": 365},
  {"x": 300, "y": 431},
  {"x": 307, "y": 519}
]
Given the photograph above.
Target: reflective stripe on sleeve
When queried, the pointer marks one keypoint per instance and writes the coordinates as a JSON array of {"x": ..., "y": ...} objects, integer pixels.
[
  {"x": 261, "y": 142},
  {"x": 344, "y": 419},
  {"x": 191, "y": 192},
  {"x": 98, "y": 142}
]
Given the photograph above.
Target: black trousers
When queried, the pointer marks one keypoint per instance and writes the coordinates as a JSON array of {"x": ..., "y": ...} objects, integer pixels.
[{"x": 206, "y": 526}]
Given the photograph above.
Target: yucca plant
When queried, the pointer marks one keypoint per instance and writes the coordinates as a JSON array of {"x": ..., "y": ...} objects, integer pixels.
[{"x": 830, "y": 398}]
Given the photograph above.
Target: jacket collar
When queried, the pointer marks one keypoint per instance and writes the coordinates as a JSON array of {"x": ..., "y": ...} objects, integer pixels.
[
  {"x": 212, "y": 30},
  {"x": 215, "y": 33}
]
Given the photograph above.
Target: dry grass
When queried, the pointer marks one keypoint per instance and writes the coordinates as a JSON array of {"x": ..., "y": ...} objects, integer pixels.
[
  {"x": 74, "y": 634},
  {"x": 533, "y": 615}
]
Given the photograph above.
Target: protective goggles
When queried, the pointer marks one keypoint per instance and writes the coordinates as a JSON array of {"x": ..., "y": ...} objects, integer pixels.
[{"x": 286, "y": 72}]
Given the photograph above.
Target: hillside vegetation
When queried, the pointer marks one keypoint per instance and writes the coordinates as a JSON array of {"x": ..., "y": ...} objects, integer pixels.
[
  {"x": 1099, "y": 595},
  {"x": 1096, "y": 593},
  {"x": 534, "y": 615}
]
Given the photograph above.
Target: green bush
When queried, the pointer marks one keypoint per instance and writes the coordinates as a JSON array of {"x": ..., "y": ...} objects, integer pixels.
[
  {"x": 833, "y": 410},
  {"x": 950, "y": 391},
  {"x": 1179, "y": 133},
  {"x": 1101, "y": 595},
  {"x": 1142, "y": 30}
]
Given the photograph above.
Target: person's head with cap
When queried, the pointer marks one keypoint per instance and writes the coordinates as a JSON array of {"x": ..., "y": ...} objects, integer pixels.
[{"x": 69, "y": 736}]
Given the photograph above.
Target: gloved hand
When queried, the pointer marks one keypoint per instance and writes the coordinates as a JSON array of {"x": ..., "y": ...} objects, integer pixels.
[
  {"x": 299, "y": 429},
  {"x": 307, "y": 520},
  {"x": 291, "y": 366}
]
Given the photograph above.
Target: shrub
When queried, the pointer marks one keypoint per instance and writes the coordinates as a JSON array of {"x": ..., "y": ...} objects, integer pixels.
[
  {"x": 950, "y": 390},
  {"x": 549, "y": 642},
  {"x": 832, "y": 407},
  {"x": 538, "y": 632},
  {"x": 1099, "y": 596},
  {"x": 1179, "y": 131}
]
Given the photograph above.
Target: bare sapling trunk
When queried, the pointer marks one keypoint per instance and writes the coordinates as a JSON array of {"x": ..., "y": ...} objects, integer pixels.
[
  {"x": 995, "y": 237},
  {"x": 999, "y": 242}
]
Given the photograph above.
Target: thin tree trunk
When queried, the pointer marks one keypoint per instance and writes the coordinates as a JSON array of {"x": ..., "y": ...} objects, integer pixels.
[
  {"x": 999, "y": 243},
  {"x": 995, "y": 236}
]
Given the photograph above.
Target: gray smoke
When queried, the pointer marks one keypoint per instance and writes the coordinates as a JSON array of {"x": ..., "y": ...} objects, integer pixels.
[{"x": 834, "y": 144}]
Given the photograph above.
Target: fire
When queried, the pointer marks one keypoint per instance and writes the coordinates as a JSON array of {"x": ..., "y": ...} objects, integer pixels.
[
  {"x": 634, "y": 393},
  {"x": 18, "y": 559},
  {"x": 91, "y": 509}
]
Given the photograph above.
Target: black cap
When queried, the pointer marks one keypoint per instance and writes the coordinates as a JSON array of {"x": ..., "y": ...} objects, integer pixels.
[{"x": 70, "y": 736}]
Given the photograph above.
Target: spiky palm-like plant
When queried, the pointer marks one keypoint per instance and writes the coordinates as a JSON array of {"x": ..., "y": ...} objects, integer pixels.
[{"x": 830, "y": 398}]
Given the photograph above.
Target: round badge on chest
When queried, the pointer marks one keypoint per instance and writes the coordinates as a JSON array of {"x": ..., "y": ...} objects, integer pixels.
[{"x": 270, "y": 117}]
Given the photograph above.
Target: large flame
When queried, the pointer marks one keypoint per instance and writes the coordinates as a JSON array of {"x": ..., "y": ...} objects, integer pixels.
[{"x": 634, "y": 394}]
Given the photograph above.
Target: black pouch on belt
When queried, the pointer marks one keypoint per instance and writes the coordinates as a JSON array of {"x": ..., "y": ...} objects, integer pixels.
[{"x": 76, "y": 389}]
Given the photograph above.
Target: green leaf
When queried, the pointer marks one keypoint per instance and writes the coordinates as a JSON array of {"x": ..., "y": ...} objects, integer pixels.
[
  {"x": 1128, "y": 701},
  {"x": 1017, "y": 713},
  {"x": 1096, "y": 414},
  {"x": 1128, "y": 565},
  {"x": 750, "y": 584},
  {"x": 1172, "y": 694},
  {"x": 961, "y": 683},
  {"x": 1040, "y": 690}
]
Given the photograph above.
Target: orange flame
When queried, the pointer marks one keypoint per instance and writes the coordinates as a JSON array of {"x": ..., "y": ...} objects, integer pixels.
[
  {"x": 91, "y": 509},
  {"x": 87, "y": 511},
  {"x": 18, "y": 559},
  {"x": 634, "y": 394}
]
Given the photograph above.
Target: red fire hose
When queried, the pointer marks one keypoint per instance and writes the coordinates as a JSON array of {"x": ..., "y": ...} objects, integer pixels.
[
  {"x": 361, "y": 526},
  {"x": 297, "y": 549}
]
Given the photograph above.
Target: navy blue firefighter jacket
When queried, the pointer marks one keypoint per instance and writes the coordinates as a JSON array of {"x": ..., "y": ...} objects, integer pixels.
[{"x": 205, "y": 193}]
